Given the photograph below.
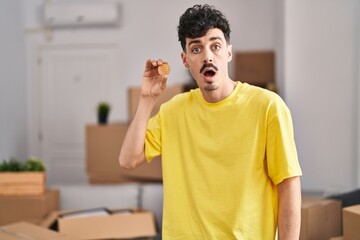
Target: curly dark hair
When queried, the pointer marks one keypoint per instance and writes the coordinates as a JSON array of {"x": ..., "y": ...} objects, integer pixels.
[{"x": 196, "y": 22}]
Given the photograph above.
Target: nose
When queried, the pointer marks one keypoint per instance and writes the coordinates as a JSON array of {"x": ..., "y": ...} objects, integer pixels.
[{"x": 208, "y": 56}]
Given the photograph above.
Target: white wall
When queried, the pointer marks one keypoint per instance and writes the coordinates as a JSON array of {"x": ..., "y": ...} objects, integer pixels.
[
  {"x": 12, "y": 82},
  {"x": 252, "y": 24},
  {"x": 314, "y": 40},
  {"x": 321, "y": 90},
  {"x": 139, "y": 38}
]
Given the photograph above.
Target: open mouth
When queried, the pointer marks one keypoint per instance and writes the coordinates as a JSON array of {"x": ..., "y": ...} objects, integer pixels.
[{"x": 209, "y": 73}]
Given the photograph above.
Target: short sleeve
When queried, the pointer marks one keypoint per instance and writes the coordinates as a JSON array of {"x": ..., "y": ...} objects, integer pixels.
[
  {"x": 281, "y": 153},
  {"x": 153, "y": 138}
]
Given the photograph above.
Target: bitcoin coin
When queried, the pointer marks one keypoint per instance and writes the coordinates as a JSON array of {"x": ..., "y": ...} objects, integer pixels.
[{"x": 164, "y": 69}]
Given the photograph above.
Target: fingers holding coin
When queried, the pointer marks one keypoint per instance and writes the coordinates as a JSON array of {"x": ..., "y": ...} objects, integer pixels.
[{"x": 163, "y": 67}]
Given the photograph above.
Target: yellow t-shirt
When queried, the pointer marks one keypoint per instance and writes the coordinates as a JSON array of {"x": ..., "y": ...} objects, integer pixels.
[{"x": 221, "y": 163}]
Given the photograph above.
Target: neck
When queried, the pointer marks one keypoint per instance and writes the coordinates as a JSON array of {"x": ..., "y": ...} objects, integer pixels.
[{"x": 220, "y": 93}]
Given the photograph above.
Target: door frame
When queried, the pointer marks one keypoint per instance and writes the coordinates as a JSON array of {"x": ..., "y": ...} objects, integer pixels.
[{"x": 34, "y": 115}]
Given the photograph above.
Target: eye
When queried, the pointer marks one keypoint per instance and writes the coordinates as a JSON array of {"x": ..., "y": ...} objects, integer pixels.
[
  {"x": 216, "y": 47},
  {"x": 195, "y": 50}
]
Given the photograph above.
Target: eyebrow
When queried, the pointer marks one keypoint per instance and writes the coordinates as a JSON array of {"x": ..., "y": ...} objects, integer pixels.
[
  {"x": 193, "y": 42},
  {"x": 211, "y": 39}
]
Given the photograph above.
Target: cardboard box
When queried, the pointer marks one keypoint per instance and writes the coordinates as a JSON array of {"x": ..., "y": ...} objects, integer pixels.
[
  {"x": 256, "y": 68},
  {"x": 28, "y": 208},
  {"x": 25, "y": 230},
  {"x": 320, "y": 219},
  {"x": 22, "y": 183},
  {"x": 337, "y": 238},
  {"x": 351, "y": 224},
  {"x": 94, "y": 224},
  {"x": 134, "y": 94},
  {"x": 106, "y": 178},
  {"x": 103, "y": 144}
]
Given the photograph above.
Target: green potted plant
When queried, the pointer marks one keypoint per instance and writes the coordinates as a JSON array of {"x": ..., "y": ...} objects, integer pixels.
[
  {"x": 103, "y": 110},
  {"x": 19, "y": 178},
  {"x": 34, "y": 164}
]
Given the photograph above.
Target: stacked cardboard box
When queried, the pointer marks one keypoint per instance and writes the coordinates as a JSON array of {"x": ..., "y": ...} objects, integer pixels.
[
  {"x": 351, "y": 222},
  {"x": 28, "y": 208},
  {"x": 22, "y": 183},
  {"x": 320, "y": 219},
  {"x": 24, "y": 230},
  {"x": 103, "y": 144},
  {"x": 102, "y": 153},
  {"x": 256, "y": 68}
]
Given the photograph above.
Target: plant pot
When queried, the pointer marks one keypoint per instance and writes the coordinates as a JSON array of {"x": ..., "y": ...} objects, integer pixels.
[
  {"x": 102, "y": 119},
  {"x": 103, "y": 110}
]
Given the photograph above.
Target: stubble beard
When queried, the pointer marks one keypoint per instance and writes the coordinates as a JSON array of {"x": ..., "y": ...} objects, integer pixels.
[{"x": 210, "y": 87}]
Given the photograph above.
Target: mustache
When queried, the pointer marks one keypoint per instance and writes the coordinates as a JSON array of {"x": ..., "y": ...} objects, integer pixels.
[{"x": 206, "y": 65}]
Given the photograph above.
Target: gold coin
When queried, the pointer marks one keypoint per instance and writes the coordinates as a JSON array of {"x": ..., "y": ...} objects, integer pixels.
[{"x": 164, "y": 69}]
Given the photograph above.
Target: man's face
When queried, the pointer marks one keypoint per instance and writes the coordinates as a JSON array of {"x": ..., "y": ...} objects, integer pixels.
[{"x": 207, "y": 58}]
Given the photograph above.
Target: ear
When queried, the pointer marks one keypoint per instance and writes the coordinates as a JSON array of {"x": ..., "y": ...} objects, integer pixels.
[
  {"x": 229, "y": 52},
  {"x": 183, "y": 57}
]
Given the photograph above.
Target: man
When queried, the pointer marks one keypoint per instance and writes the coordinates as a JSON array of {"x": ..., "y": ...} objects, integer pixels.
[{"x": 230, "y": 167}]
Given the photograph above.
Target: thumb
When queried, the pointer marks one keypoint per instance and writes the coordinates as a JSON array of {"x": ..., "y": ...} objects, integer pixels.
[{"x": 163, "y": 81}]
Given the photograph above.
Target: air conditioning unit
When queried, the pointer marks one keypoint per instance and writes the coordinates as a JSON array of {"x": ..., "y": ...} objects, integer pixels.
[{"x": 74, "y": 14}]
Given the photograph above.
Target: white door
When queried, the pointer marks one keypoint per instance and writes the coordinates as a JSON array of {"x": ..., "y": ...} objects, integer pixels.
[{"x": 73, "y": 79}]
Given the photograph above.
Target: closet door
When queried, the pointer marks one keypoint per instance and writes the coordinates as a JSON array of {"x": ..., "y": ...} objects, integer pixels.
[{"x": 73, "y": 79}]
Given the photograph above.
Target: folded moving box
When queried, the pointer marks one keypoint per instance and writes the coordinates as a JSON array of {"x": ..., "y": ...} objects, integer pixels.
[
  {"x": 25, "y": 230},
  {"x": 102, "y": 223}
]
